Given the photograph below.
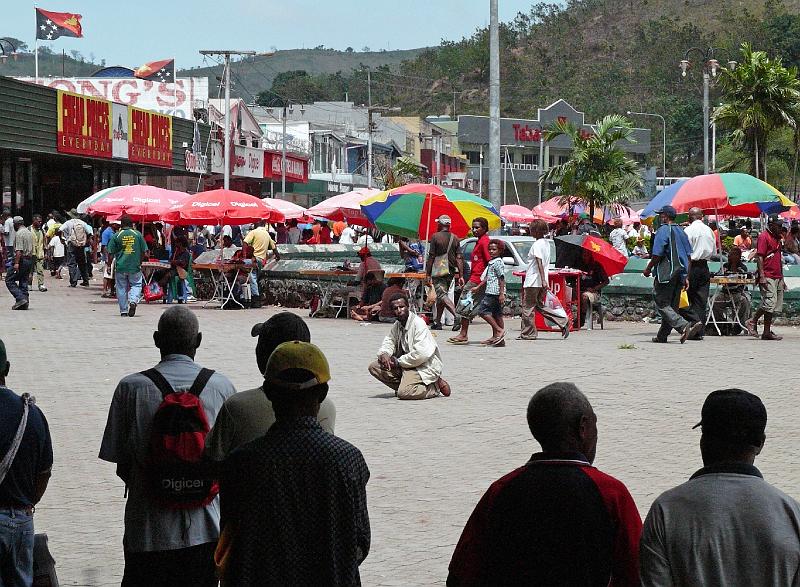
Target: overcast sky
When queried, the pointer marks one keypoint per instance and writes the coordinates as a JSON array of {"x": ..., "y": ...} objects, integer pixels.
[{"x": 132, "y": 32}]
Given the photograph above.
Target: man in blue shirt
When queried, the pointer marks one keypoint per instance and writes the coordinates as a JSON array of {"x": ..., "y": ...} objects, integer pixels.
[
  {"x": 23, "y": 485},
  {"x": 670, "y": 258}
]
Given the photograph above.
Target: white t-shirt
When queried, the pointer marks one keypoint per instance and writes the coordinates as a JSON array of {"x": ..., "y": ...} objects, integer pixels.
[
  {"x": 618, "y": 237},
  {"x": 8, "y": 231},
  {"x": 293, "y": 235},
  {"x": 701, "y": 237},
  {"x": 540, "y": 249},
  {"x": 348, "y": 236},
  {"x": 57, "y": 245}
]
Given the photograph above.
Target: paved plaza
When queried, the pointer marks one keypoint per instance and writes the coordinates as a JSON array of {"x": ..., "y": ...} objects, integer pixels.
[{"x": 430, "y": 460}]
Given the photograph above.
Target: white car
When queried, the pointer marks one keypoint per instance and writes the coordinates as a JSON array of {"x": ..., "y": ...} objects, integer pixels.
[{"x": 516, "y": 254}]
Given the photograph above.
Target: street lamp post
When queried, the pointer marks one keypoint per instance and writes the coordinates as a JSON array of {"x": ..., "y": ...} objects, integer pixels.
[
  {"x": 710, "y": 68},
  {"x": 370, "y": 111},
  {"x": 663, "y": 136},
  {"x": 7, "y": 49}
]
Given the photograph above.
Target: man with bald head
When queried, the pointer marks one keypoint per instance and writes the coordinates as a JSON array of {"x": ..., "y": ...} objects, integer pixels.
[
  {"x": 163, "y": 546},
  {"x": 704, "y": 244},
  {"x": 556, "y": 520}
]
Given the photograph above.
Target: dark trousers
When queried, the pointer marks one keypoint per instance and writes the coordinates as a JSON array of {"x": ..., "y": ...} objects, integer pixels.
[
  {"x": 699, "y": 284},
  {"x": 184, "y": 567},
  {"x": 667, "y": 297},
  {"x": 17, "y": 281},
  {"x": 77, "y": 265}
]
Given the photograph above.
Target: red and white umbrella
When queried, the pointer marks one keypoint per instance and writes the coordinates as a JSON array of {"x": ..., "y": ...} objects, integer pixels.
[
  {"x": 143, "y": 203},
  {"x": 221, "y": 207},
  {"x": 344, "y": 207},
  {"x": 515, "y": 213},
  {"x": 290, "y": 210}
]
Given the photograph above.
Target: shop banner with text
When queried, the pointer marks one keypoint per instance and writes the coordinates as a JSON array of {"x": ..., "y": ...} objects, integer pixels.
[
  {"x": 84, "y": 125},
  {"x": 149, "y": 138}
]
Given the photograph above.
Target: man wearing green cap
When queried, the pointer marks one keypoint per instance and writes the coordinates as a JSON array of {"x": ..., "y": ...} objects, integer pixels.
[
  {"x": 24, "y": 482},
  {"x": 295, "y": 499}
]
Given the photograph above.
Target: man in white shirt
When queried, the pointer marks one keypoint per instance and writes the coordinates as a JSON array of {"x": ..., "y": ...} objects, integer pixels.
[
  {"x": 535, "y": 286},
  {"x": 76, "y": 234},
  {"x": 701, "y": 237},
  {"x": 409, "y": 360},
  {"x": 7, "y": 230},
  {"x": 348, "y": 236},
  {"x": 619, "y": 237}
]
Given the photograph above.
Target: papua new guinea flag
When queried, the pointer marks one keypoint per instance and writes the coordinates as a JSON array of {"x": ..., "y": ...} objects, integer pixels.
[
  {"x": 157, "y": 71},
  {"x": 52, "y": 25}
]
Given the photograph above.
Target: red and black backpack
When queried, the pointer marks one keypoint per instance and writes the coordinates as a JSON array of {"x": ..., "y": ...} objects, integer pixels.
[{"x": 174, "y": 469}]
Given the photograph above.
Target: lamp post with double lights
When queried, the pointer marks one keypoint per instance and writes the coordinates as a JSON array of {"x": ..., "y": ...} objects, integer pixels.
[
  {"x": 710, "y": 69},
  {"x": 7, "y": 49}
]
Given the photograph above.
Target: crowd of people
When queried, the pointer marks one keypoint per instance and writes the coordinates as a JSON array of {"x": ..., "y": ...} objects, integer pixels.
[{"x": 253, "y": 488}]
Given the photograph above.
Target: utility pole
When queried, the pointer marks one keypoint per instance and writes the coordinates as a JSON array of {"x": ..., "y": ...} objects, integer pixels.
[
  {"x": 226, "y": 181},
  {"x": 283, "y": 155},
  {"x": 494, "y": 106},
  {"x": 370, "y": 110},
  {"x": 369, "y": 128}
]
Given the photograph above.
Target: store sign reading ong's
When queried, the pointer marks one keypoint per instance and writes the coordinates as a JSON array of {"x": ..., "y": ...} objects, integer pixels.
[
  {"x": 93, "y": 127},
  {"x": 84, "y": 125},
  {"x": 150, "y": 138}
]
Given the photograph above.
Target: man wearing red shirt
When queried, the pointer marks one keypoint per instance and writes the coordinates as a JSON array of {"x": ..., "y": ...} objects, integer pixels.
[
  {"x": 557, "y": 520},
  {"x": 770, "y": 278},
  {"x": 480, "y": 258}
]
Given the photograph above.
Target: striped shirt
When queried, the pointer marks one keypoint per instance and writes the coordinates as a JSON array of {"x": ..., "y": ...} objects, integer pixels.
[{"x": 494, "y": 272}]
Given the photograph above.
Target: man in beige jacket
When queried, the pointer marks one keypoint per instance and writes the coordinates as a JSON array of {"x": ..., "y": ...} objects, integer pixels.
[{"x": 409, "y": 360}]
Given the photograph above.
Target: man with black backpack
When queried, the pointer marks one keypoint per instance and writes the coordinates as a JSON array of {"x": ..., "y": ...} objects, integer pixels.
[
  {"x": 26, "y": 457},
  {"x": 670, "y": 259},
  {"x": 156, "y": 430},
  {"x": 76, "y": 234}
]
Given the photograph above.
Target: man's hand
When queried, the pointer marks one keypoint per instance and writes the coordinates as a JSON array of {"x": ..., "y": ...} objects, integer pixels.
[
  {"x": 460, "y": 281},
  {"x": 686, "y": 284},
  {"x": 646, "y": 272},
  {"x": 385, "y": 361},
  {"x": 501, "y": 298},
  {"x": 762, "y": 280},
  {"x": 429, "y": 280}
]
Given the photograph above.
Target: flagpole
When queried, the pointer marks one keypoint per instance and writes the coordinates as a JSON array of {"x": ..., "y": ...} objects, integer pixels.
[
  {"x": 36, "y": 58},
  {"x": 174, "y": 89}
]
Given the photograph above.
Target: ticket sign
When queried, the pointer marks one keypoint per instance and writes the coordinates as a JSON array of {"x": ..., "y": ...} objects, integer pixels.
[
  {"x": 149, "y": 138},
  {"x": 84, "y": 125}
]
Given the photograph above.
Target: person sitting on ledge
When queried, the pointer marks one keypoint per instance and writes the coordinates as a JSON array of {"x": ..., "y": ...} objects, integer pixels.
[{"x": 369, "y": 306}]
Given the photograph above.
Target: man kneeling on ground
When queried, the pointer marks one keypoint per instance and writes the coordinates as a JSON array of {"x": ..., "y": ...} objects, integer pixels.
[{"x": 408, "y": 360}]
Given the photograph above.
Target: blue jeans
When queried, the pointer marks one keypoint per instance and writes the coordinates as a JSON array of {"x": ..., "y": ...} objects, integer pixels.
[
  {"x": 254, "y": 283},
  {"x": 17, "y": 281},
  {"x": 16, "y": 548},
  {"x": 126, "y": 281}
]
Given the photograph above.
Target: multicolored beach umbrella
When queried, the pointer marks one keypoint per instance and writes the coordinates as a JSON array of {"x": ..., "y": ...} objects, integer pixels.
[
  {"x": 412, "y": 210},
  {"x": 730, "y": 194}
]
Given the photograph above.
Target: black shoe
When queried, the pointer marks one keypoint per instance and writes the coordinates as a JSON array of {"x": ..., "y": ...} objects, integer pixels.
[
  {"x": 132, "y": 309},
  {"x": 123, "y": 314},
  {"x": 85, "y": 284},
  {"x": 456, "y": 326},
  {"x": 436, "y": 325},
  {"x": 20, "y": 305},
  {"x": 690, "y": 330},
  {"x": 659, "y": 340},
  {"x": 73, "y": 285}
]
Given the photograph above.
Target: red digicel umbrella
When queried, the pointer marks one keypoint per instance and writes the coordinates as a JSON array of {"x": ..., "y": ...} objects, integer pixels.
[
  {"x": 290, "y": 210},
  {"x": 143, "y": 203},
  {"x": 221, "y": 207},
  {"x": 345, "y": 207},
  {"x": 515, "y": 213},
  {"x": 570, "y": 250}
]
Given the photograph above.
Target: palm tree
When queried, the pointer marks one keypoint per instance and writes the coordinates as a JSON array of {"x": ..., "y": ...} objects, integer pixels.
[
  {"x": 598, "y": 172},
  {"x": 760, "y": 96}
]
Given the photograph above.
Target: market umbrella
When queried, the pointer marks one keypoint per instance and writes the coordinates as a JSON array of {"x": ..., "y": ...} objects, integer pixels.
[
  {"x": 221, "y": 207},
  {"x": 412, "y": 210},
  {"x": 792, "y": 213},
  {"x": 83, "y": 207},
  {"x": 515, "y": 213},
  {"x": 143, "y": 203},
  {"x": 551, "y": 210},
  {"x": 289, "y": 209},
  {"x": 345, "y": 207},
  {"x": 731, "y": 194},
  {"x": 570, "y": 250}
]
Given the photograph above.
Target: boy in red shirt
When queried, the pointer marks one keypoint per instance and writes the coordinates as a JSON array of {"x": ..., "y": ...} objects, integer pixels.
[{"x": 770, "y": 278}]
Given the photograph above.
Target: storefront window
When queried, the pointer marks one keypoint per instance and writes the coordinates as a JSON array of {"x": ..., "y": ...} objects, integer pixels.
[{"x": 5, "y": 181}]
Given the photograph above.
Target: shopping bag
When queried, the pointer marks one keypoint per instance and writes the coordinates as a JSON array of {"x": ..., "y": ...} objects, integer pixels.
[
  {"x": 466, "y": 303},
  {"x": 684, "y": 303},
  {"x": 553, "y": 304},
  {"x": 430, "y": 294},
  {"x": 153, "y": 292}
]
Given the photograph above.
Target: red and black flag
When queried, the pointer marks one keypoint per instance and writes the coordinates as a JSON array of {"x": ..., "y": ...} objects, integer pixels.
[
  {"x": 157, "y": 71},
  {"x": 52, "y": 25}
]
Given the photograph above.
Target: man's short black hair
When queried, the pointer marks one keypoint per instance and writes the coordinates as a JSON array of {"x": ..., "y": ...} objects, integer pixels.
[
  {"x": 126, "y": 221},
  {"x": 398, "y": 296},
  {"x": 555, "y": 412}
]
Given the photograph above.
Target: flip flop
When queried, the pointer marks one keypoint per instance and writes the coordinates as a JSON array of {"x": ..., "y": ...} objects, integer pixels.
[
  {"x": 499, "y": 342},
  {"x": 457, "y": 342}
]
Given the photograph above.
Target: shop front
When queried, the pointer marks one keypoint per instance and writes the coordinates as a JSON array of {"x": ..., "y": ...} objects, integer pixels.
[{"x": 57, "y": 148}]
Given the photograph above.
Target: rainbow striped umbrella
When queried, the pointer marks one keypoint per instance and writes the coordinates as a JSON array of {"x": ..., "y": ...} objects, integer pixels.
[
  {"x": 412, "y": 210},
  {"x": 731, "y": 194}
]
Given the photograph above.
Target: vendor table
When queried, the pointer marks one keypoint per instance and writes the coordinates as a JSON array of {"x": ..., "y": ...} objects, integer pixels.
[
  {"x": 224, "y": 276},
  {"x": 329, "y": 282},
  {"x": 557, "y": 281},
  {"x": 149, "y": 269},
  {"x": 722, "y": 283}
]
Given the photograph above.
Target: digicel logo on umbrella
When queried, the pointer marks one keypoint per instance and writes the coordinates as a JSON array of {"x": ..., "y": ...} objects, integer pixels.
[
  {"x": 206, "y": 204},
  {"x": 244, "y": 204}
]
